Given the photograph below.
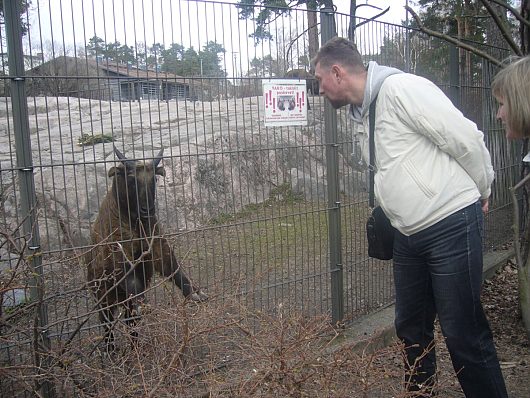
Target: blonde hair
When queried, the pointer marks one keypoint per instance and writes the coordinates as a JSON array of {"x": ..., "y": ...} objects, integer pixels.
[{"x": 512, "y": 86}]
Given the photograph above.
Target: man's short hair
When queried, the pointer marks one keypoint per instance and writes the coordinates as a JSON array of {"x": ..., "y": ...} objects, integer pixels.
[{"x": 341, "y": 51}]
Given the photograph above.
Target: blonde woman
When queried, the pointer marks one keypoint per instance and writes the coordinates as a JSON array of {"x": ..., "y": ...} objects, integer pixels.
[{"x": 511, "y": 88}]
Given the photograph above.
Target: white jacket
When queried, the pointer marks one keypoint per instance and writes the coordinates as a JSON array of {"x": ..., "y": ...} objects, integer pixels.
[{"x": 431, "y": 161}]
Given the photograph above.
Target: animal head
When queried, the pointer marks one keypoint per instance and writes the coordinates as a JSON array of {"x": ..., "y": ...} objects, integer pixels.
[
  {"x": 134, "y": 185},
  {"x": 311, "y": 82}
]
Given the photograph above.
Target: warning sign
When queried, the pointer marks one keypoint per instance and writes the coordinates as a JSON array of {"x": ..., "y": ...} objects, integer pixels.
[{"x": 285, "y": 102}]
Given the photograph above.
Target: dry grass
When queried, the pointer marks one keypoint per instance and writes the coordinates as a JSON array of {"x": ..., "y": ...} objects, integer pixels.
[
  {"x": 222, "y": 348},
  {"x": 215, "y": 349}
]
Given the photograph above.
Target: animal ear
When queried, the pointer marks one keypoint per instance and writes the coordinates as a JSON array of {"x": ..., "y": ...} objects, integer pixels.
[
  {"x": 160, "y": 171},
  {"x": 116, "y": 170}
]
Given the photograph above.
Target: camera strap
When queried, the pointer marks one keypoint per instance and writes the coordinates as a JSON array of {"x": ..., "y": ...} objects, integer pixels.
[{"x": 371, "y": 160}]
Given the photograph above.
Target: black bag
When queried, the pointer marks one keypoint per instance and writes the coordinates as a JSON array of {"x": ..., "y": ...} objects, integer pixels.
[
  {"x": 380, "y": 234},
  {"x": 379, "y": 231}
]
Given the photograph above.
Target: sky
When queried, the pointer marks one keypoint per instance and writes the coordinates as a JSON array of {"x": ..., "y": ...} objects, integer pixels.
[
  {"x": 190, "y": 23},
  {"x": 395, "y": 14}
]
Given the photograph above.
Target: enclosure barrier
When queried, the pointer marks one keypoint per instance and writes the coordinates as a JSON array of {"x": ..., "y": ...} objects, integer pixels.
[{"x": 268, "y": 217}]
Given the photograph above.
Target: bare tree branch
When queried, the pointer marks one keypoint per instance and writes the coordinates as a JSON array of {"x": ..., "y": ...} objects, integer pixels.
[
  {"x": 297, "y": 37},
  {"x": 374, "y": 17},
  {"x": 452, "y": 40},
  {"x": 515, "y": 13},
  {"x": 502, "y": 27}
]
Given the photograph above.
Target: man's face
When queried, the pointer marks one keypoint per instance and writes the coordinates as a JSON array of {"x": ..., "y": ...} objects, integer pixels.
[{"x": 329, "y": 80}]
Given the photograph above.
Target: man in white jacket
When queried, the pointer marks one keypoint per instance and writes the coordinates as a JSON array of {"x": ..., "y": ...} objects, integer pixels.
[{"x": 433, "y": 178}]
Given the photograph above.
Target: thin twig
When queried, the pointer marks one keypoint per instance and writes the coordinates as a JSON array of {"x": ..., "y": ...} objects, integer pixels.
[{"x": 116, "y": 284}]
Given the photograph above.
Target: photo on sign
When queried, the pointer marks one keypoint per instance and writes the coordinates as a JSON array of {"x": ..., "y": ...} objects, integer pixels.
[{"x": 286, "y": 102}]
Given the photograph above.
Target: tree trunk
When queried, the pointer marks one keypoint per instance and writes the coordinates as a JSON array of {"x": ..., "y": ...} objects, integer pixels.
[
  {"x": 353, "y": 22},
  {"x": 523, "y": 277},
  {"x": 523, "y": 29},
  {"x": 523, "y": 266},
  {"x": 493, "y": 33},
  {"x": 522, "y": 248},
  {"x": 312, "y": 23}
]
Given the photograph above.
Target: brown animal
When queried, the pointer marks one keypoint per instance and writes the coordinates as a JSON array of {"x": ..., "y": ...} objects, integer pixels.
[
  {"x": 128, "y": 243},
  {"x": 311, "y": 81}
]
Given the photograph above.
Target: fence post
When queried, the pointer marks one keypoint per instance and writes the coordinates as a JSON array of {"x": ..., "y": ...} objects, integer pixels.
[
  {"x": 30, "y": 228},
  {"x": 454, "y": 75},
  {"x": 327, "y": 18}
]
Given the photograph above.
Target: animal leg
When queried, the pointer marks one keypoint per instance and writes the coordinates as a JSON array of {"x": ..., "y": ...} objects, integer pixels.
[
  {"x": 166, "y": 264},
  {"x": 134, "y": 286}
]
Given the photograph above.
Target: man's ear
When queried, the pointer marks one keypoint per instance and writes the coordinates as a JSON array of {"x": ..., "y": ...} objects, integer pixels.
[{"x": 337, "y": 72}]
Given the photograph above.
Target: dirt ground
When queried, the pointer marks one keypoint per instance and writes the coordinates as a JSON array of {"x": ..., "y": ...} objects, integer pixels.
[{"x": 500, "y": 300}]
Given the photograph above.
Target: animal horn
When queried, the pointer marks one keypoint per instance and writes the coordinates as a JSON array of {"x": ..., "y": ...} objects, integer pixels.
[
  {"x": 122, "y": 158},
  {"x": 158, "y": 157}
]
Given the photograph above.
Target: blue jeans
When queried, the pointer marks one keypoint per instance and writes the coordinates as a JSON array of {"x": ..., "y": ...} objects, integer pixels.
[{"x": 438, "y": 271}]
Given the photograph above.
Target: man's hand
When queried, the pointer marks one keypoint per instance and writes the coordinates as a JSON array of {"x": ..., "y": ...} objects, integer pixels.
[{"x": 485, "y": 205}]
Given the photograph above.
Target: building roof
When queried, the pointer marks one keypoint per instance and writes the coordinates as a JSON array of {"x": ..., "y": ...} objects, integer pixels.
[
  {"x": 120, "y": 69},
  {"x": 139, "y": 73}
]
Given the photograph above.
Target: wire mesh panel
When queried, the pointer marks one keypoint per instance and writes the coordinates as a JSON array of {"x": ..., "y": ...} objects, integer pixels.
[
  {"x": 244, "y": 207},
  {"x": 469, "y": 88}
]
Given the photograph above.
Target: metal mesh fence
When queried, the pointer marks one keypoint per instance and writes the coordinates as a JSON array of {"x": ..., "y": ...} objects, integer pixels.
[{"x": 244, "y": 206}]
